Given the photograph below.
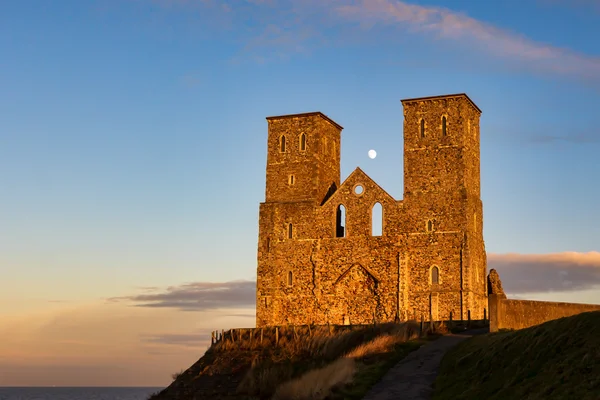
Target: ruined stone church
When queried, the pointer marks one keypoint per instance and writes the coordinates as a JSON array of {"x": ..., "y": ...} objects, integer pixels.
[{"x": 319, "y": 259}]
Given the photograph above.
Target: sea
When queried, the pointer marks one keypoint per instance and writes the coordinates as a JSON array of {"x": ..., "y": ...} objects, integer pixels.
[{"x": 77, "y": 393}]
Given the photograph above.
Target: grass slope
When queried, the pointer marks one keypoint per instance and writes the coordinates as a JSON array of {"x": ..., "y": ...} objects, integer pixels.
[
  {"x": 306, "y": 364},
  {"x": 559, "y": 359}
]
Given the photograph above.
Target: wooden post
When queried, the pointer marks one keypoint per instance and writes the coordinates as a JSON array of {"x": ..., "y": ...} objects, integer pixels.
[
  {"x": 450, "y": 324},
  {"x": 212, "y": 338},
  {"x": 309, "y": 331},
  {"x": 261, "y": 335},
  {"x": 484, "y": 315},
  {"x": 294, "y": 330},
  {"x": 421, "y": 328},
  {"x": 223, "y": 334},
  {"x": 468, "y": 318},
  {"x": 276, "y": 335}
]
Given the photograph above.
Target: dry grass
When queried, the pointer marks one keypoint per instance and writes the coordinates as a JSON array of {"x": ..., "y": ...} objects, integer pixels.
[
  {"x": 250, "y": 368},
  {"x": 298, "y": 355},
  {"x": 317, "y": 383},
  {"x": 339, "y": 355}
]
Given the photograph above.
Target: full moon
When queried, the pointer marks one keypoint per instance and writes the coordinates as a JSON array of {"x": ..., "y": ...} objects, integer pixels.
[{"x": 372, "y": 154}]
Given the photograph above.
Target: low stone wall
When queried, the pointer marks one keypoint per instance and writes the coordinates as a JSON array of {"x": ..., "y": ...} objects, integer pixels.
[{"x": 518, "y": 314}]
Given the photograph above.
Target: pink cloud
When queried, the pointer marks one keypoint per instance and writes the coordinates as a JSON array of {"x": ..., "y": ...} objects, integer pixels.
[
  {"x": 558, "y": 272},
  {"x": 444, "y": 24}
]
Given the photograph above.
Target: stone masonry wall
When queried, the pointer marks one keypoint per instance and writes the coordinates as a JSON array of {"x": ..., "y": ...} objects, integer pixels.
[
  {"x": 306, "y": 274},
  {"x": 519, "y": 314}
]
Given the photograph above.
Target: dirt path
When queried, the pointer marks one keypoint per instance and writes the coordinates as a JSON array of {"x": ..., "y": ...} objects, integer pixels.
[{"x": 413, "y": 377}]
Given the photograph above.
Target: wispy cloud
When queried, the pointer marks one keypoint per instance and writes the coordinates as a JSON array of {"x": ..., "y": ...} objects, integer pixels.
[
  {"x": 199, "y": 296},
  {"x": 195, "y": 340},
  {"x": 559, "y": 272},
  {"x": 444, "y": 24},
  {"x": 283, "y": 28}
]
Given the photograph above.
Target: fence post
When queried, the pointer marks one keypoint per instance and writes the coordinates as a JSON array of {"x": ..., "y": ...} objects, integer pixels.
[
  {"x": 261, "y": 335},
  {"x": 276, "y": 335},
  {"x": 484, "y": 315},
  {"x": 309, "y": 331},
  {"x": 421, "y": 328},
  {"x": 212, "y": 338},
  {"x": 450, "y": 324},
  {"x": 468, "y": 318}
]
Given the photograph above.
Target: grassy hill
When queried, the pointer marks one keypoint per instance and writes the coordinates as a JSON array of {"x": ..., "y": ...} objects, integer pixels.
[
  {"x": 559, "y": 359},
  {"x": 316, "y": 363}
]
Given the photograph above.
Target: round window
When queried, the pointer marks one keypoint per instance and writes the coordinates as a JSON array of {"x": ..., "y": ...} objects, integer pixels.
[{"x": 358, "y": 190}]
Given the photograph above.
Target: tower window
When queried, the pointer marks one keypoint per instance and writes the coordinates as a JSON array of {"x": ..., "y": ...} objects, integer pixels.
[
  {"x": 422, "y": 128},
  {"x": 340, "y": 221},
  {"x": 429, "y": 226},
  {"x": 377, "y": 220},
  {"x": 290, "y": 231},
  {"x": 282, "y": 144},
  {"x": 291, "y": 180},
  {"x": 444, "y": 125},
  {"x": 290, "y": 278},
  {"x": 435, "y": 276},
  {"x": 302, "y": 142}
]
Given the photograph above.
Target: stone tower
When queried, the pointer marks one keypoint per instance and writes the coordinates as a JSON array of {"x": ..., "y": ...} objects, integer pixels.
[
  {"x": 316, "y": 265},
  {"x": 442, "y": 182}
]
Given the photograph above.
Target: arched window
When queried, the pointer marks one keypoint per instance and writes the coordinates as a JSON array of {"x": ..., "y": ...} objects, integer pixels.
[
  {"x": 444, "y": 125},
  {"x": 291, "y": 180},
  {"x": 429, "y": 226},
  {"x": 377, "y": 220},
  {"x": 340, "y": 221},
  {"x": 290, "y": 278},
  {"x": 282, "y": 144},
  {"x": 422, "y": 128},
  {"x": 435, "y": 275},
  {"x": 302, "y": 142},
  {"x": 290, "y": 231}
]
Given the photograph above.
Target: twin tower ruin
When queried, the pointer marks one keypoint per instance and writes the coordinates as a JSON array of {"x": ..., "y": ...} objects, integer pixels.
[{"x": 319, "y": 260}]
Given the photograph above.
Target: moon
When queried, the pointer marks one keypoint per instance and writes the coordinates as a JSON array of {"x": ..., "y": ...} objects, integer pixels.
[{"x": 372, "y": 154}]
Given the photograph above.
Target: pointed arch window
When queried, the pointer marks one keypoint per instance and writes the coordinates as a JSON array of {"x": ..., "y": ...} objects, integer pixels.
[
  {"x": 422, "y": 127},
  {"x": 290, "y": 231},
  {"x": 429, "y": 226},
  {"x": 290, "y": 278},
  {"x": 340, "y": 221},
  {"x": 444, "y": 125},
  {"x": 282, "y": 144},
  {"x": 377, "y": 220},
  {"x": 435, "y": 276},
  {"x": 303, "y": 142}
]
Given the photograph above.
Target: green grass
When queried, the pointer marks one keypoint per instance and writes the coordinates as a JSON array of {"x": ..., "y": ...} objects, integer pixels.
[{"x": 557, "y": 360}]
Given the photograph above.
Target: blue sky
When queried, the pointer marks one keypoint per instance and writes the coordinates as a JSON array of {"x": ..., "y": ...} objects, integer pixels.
[{"x": 133, "y": 137}]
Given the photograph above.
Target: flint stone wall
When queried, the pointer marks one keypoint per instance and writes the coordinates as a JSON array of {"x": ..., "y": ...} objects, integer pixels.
[
  {"x": 518, "y": 314},
  {"x": 306, "y": 274}
]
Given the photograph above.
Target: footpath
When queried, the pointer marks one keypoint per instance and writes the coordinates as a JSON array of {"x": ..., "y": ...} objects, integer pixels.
[{"x": 413, "y": 377}]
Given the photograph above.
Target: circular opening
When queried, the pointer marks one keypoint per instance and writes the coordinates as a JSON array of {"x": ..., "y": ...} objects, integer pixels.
[{"x": 358, "y": 190}]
